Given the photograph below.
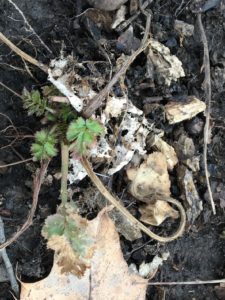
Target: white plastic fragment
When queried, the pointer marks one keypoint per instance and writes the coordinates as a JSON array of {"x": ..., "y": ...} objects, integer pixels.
[
  {"x": 122, "y": 157},
  {"x": 134, "y": 130}
]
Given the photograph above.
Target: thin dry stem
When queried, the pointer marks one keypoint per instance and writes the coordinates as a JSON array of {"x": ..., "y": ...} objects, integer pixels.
[
  {"x": 10, "y": 90},
  {"x": 5, "y": 258},
  {"x": 38, "y": 179},
  {"x": 16, "y": 163},
  {"x": 196, "y": 282},
  {"x": 22, "y": 54},
  {"x": 208, "y": 94},
  {"x": 102, "y": 189},
  {"x": 97, "y": 101}
]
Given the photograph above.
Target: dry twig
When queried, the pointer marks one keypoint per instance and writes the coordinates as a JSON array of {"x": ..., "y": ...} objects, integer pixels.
[
  {"x": 22, "y": 54},
  {"x": 196, "y": 282},
  {"x": 38, "y": 179},
  {"x": 97, "y": 101},
  {"x": 29, "y": 26},
  {"x": 16, "y": 163},
  {"x": 208, "y": 93}
]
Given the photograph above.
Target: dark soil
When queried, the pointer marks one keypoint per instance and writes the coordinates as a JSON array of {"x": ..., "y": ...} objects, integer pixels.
[{"x": 200, "y": 253}]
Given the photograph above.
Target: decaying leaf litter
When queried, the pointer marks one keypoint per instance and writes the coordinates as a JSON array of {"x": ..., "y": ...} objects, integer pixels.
[{"x": 130, "y": 135}]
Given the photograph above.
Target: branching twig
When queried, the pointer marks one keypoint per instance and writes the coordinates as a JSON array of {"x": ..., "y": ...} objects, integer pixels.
[
  {"x": 29, "y": 26},
  {"x": 97, "y": 101},
  {"x": 208, "y": 92},
  {"x": 102, "y": 189},
  {"x": 38, "y": 179},
  {"x": 8, "y": 265}
]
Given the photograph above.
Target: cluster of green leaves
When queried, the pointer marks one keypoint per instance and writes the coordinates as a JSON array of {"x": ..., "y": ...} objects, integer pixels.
[
  {"x": 34, "y": 103},
  {"x": 44, "y": 146},
  {"x": 83, "y": 133}
]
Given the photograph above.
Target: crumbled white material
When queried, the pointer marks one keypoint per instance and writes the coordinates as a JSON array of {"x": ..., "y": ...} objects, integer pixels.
[
  {"x": 167, "y": 67},
  {"x": 121, "y": 158},
  {"x": 115, "y": 106},
  {"x": 120, "y": 16},
  {"x": 77, "y": 173},
  {"x": 148, "y": 270},
  {"x": 133, "y": 269},
  {"x": 102, "y": 149},
  {"x": 60, "y": 74},
  {"x": 134, "y": 130}
]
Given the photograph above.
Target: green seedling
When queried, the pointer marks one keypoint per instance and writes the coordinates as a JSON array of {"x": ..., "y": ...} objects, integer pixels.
[
  {"x": 83, "y": 134},
  {"x": 44, "y": 147}
]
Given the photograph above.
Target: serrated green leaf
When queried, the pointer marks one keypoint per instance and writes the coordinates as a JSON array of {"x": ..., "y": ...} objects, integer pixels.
[
  {"x": 44, "y": 146},
  {"x": 75, "y": 128},
  {"x": 94, "y": 126},
  {"x": 84, "y": 132},
  {"x": 54, "y": 225},
  {"x": 33, "y": 102},
  {"x": 50, "y": 149}
]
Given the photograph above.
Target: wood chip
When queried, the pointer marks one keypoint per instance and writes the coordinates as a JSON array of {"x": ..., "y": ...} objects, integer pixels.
[{"x": 179, "y": 111}]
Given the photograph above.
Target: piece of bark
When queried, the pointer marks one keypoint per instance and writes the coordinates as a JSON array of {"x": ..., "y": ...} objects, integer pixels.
[{"x": 179, "y": 111}]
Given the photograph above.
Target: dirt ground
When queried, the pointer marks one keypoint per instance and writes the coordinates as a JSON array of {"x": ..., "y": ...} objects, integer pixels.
[{"x": 200, "y": 253}]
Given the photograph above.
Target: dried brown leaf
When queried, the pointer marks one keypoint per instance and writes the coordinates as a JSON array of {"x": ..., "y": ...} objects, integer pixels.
[
  {"x": 156, "y": 213},
  {"x": 151, "y": 178},
  {"x": 107, "y": 278}
]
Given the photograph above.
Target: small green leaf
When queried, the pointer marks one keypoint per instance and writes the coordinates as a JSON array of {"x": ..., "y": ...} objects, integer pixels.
[
  {"x": 84, "y": 133},
  {"x": 33, "y": 102},
  {"x": 75, "y": 128},
  {"x": 44, "y": 146},
  {"x": 54, "y": 225},
  {"x": 94, "y": 127}
]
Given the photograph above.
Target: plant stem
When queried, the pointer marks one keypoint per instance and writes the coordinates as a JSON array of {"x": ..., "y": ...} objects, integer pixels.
[
  {"x": 64, "y": 170},
  {"x": 102, "y": 189}
]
